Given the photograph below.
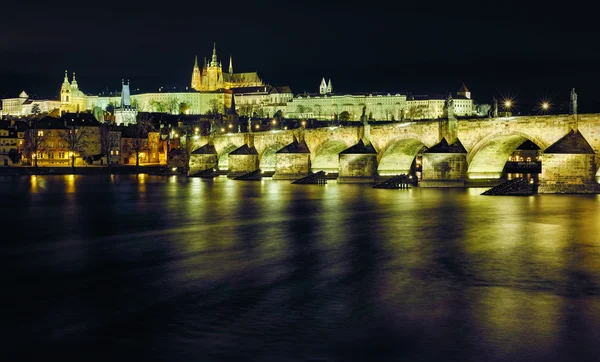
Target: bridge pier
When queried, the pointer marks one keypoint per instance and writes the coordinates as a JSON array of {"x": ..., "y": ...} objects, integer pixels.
[
  {"x": 358, "y": 164},
  {"x": 202, "y": 159},
  {"x": 292, "y": 161},
  {"x": 444, "y": 165},
  {"x": 569, "y": 166},
  {"x": 242, "y": 160}
]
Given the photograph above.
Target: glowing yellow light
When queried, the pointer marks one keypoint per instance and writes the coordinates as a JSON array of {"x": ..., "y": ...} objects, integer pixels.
[
  {"x": 230, "y": 125},
  {"x": 507, "y": 104},
  {"x": 545, "y": 105},
  {"x": 257, "y": 126},
  {"x": 303, "y": 123},
  {"x": 222, "y": 129},
  {"x": 197, "y": 129},
  {"x": 274, "y": 122}
]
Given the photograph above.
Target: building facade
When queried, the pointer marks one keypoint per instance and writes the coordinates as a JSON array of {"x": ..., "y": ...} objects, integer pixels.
[{"x": 211, "y": 77}]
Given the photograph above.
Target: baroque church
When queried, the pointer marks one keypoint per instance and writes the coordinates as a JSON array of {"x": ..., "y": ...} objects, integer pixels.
[
  {"x": 211, "y": 77},
  {"x": 71, "y": 98}
]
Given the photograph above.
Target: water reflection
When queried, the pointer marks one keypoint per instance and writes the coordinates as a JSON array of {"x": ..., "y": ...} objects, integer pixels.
[{"x": 178, "y": 267}]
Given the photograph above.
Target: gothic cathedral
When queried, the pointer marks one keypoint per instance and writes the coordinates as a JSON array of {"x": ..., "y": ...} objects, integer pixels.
[{"x": 211, "y": 77}]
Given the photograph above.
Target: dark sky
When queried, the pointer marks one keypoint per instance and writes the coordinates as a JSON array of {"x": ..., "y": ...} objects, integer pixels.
[{"x": 520, "y": 49}]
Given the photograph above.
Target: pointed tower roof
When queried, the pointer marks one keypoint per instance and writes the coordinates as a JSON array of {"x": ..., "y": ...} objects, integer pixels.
[
  {"x": 230, "y": 65},
  {"x": 463, "y": 89},
  {"x": 196, "y": 62},
  {"x": 125, "y": 95},
  {"x": 213, "y": 62},
  {"x": 74, "y": 82},
  {"x": 66, "y": 80},
  {"x": 204, "y": 62}
]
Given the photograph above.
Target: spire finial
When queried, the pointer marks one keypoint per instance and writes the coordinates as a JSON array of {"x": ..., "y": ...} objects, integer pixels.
[
  {"x": 214, "y": 62},
  {"x": 196, "y": 61},
  {"x": 66, "y": 77},
  {"x": 230, "y": 65}
]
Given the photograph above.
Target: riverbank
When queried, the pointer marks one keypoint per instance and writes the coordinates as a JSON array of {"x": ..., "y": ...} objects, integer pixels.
[{"x": 159, "y": 170}]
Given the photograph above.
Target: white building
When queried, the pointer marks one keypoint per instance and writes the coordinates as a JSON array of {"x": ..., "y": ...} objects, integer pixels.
[
  {"x": 263, "y": 101},
  {"x": 23, "y": 105},
  {"x": 327, "y": 106}
]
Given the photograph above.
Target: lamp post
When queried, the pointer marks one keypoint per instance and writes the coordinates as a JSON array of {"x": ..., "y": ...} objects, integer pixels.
[{"x": 507, "y": 105}]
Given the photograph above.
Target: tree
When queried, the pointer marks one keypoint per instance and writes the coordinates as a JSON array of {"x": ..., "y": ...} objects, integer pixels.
[
  {"x": 35, "y": 109},
  {"x": 172, "y": 105},
  {"x": 245, "y": 109},
  {"x": 278, "y": 115},
  {"x": 318, "y": 110},
  {"x": 109, "y": 140},
  {"x": 214, "y": 107},
  {"x": 415, "y": 112},
  {"x": 301, "y": 109},
  {"x": 184, "y": 108},
  {"x": 158, "y": 106},
  {"x": 344, "y": 116},
  {"x": 36, "y": 141},
  {"x": 139, "y": 142},
  {"x": 14, "y": 155},
  {"x": 137, "y": 105},
  {"x": 75, "y": 137},
  {"x": 110, "y": 108}
]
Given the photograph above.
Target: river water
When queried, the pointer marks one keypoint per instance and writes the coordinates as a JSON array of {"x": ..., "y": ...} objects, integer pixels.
[{"x": 149, "y": 268}]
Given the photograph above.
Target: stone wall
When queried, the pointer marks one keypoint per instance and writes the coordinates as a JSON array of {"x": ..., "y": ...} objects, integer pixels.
[
  {"x": 202, "y": 162},
  {"x": 568, "y": 173},
  {"x": 242, "y": 164},
  {"x": 444, "y": 169},
  {"x": 357, "y": 168},
  {"x": 292, "y": 166}
]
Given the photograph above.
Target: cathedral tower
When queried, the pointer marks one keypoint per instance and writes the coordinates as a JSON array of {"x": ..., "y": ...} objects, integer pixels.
[
  {"x": 65, "y": 91},
  {"x": 196, "y": 78},
  {"x": 323, "y": 87}
]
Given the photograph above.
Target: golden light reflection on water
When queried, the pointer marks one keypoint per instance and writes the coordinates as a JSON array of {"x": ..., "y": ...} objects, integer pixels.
[
  {"x": 33, "y": 180},
  {"x": 504, "y": 316},
  {"x": 141, "y": 180},
  {"x": 69, "y": 183}
]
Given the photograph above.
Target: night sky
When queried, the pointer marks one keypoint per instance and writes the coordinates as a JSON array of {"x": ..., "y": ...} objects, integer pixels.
[{"x": 525, "y": 51}]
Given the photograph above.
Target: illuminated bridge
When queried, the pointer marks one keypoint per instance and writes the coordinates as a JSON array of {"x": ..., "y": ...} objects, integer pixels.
[{"x": 454, "y": 152}]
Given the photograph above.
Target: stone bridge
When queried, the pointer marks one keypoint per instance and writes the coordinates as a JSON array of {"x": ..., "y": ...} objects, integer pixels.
[{"x": 454, "y": 151}]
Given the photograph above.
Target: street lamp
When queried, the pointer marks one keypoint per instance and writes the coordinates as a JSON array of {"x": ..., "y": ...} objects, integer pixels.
[{"x": 545, "y": 106}]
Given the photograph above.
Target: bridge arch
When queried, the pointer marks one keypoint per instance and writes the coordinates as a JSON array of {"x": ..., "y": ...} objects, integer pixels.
[
  {"x": 268, "y": 157},
  {"x": 397, "y": 157},
  {"x": 327, "y": 156},
  {"x": 223, "y": 163},
  {"x": 489, "y": 155}
]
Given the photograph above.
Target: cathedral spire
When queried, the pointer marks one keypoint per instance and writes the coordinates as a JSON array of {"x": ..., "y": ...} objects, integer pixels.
[
  {"x": 66, "y": 80},
  {"x": 213, "y": 62},
  {"x": 196, "y": 62},
  {"x": 230, "y": 65}
]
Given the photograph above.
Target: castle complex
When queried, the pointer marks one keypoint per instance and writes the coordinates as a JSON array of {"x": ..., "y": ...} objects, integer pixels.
[
  {"x": 215, "y": 91},
  {"x": 211, "y": 77}
]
